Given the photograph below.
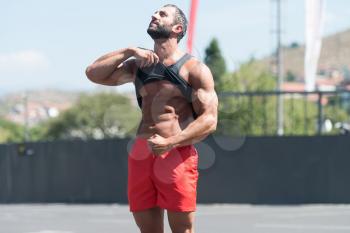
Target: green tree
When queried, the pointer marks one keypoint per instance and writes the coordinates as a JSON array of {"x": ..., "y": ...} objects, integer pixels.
[
  {"x": 294, "y": 45},
  {"x": 253, "y": 114},
  {"x": 290, "y": 77},
  {"x": 337, "y": 110},
  {"x": 300, "y": 116},
  {"x": 10, "y": 132},
  {"x": 98, "y": 116},
  {"x": 251, "y": 76},
  {"x": 242, "y": 115},
  {"x": 216, "y": 62}
]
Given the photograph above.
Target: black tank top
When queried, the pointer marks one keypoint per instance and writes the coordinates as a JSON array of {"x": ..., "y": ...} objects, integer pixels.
[{"x": 160, "y": 72}]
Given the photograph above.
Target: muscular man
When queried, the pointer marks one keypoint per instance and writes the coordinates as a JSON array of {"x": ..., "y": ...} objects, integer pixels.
[{"x": 176, "y": 94}]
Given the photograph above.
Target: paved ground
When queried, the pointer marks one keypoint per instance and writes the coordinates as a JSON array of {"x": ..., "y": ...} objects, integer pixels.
[{"x": 210, "y": 218}]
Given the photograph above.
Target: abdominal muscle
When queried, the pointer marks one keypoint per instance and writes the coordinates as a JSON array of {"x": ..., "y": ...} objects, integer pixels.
[
  {"x": 165, "y": 128},
  {"x": 165, "y": 113}
]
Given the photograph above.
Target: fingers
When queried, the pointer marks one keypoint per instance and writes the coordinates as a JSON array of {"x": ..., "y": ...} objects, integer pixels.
[
  {"x": 157, "y": 147},
  {"x": 158, "y": 152},
  {"x": 147, "y": 58},
  {"x": 150, "y": 59},
  {"x": 156, "y": 58},
  {"x": 142, "y": 63}
]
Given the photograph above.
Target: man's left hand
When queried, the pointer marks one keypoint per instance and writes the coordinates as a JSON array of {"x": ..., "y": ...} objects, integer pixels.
[{"x": 159, "y": 144}]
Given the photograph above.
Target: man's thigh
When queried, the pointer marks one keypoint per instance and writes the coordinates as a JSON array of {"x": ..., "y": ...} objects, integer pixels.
[
  {"x": 150, "y": 221},
  {"x": 181, "y": 222}
]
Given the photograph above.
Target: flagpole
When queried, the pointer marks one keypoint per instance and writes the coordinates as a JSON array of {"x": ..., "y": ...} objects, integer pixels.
[
  {"x": 280, "y": 118},
  {"x": 192, "y": 24}
]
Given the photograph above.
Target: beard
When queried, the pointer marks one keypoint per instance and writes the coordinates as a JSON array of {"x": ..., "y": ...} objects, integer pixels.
[{"x": 160, "y": 32}]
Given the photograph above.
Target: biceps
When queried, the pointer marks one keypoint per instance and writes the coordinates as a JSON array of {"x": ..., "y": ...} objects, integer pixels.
[
  {"x": 205, "y": 102},
  {"x": 123, "y": 74}
]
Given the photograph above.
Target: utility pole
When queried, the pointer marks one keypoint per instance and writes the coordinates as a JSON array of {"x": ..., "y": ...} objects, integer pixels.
[
  {"x": 279, "y": 61},
  {"x": 26, "y": 116}
]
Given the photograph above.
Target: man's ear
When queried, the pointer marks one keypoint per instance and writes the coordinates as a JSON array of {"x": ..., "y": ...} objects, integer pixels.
[{"x": 177, "y": 28}]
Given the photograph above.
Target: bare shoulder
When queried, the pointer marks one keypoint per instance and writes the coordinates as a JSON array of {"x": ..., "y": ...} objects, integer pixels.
[
  {"x": 199, "y": 74},
  {"x": 204, "y": 97}
]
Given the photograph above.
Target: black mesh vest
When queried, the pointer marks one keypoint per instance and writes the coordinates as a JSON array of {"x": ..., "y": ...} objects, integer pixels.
[{"x": 160, "y": 72}]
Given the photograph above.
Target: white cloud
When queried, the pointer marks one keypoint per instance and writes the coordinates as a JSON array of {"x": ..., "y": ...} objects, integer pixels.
[{"x": 23, "y": 61}]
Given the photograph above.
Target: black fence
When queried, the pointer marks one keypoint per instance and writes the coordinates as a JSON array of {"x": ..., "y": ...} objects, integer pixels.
[
  {"x": 258, "y": 170},
  {"x": 304, "y": 113}
]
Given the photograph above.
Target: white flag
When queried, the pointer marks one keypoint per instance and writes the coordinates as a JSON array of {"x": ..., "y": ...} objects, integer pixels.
[{"x": 314, "y": 16}]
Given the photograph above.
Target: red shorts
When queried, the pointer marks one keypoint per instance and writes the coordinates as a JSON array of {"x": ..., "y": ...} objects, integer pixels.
[{"x": 168, "y": 181}]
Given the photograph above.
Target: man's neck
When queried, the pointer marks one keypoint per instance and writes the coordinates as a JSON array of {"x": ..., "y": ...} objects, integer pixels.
[{"x": 165, "y": 49}]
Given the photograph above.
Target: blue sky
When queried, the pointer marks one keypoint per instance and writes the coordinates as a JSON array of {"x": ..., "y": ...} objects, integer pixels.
[{"x": 48, "y": 44}]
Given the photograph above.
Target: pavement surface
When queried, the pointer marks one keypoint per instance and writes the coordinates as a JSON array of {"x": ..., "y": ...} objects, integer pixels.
[{"x": 61, "y": 218}]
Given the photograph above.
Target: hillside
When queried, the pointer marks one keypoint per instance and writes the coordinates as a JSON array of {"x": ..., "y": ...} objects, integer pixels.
[
  {"x": 335, "y": 55},
  {"x": 41, "y": 104}
]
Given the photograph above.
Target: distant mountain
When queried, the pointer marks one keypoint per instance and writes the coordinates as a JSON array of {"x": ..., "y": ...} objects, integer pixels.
[
  {"x": 52, "y": 95},
  {"x": 335, "y": 55},
  {"x": 42, "y": 104}
]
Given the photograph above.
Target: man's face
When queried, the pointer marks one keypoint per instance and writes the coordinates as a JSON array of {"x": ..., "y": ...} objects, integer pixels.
[{"x": 162, "y": 23}]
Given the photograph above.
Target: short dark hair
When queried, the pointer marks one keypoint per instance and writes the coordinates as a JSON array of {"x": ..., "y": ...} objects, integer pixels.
[{"x": 180, "y": 18}]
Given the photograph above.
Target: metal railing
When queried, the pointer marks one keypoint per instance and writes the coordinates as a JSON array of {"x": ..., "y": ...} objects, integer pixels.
[{"x": 317, "y": 112}]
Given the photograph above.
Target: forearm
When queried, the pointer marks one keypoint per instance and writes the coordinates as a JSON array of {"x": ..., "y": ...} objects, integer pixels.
[
  {"x": 195, "y": 131},
  {"x": 105, "y": 65}
]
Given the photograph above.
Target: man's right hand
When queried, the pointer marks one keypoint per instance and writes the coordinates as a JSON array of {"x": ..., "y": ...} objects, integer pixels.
[{"x": 145, "y": 57}]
